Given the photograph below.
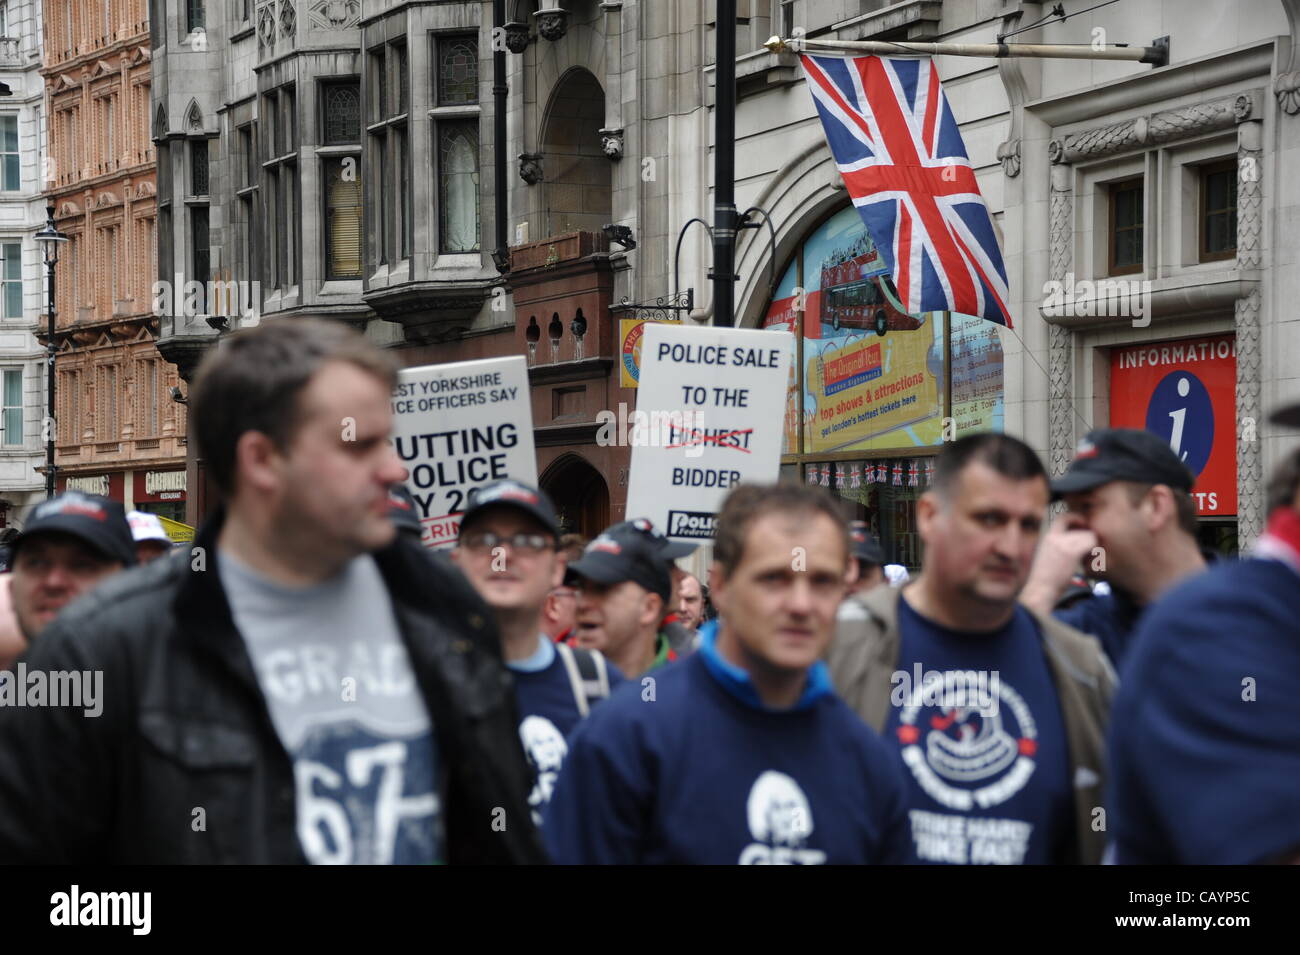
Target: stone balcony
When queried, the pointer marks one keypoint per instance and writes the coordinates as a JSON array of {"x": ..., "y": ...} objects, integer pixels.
[{"x": 11, "y": 54}]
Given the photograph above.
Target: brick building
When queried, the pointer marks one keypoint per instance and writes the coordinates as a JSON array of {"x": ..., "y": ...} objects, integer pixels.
[{"x": 119, "y": 432}]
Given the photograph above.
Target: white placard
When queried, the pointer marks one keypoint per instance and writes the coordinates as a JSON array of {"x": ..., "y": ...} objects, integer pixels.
[
  {"x": 710, "y": 415},
  {"x": 457, "y": 427}
]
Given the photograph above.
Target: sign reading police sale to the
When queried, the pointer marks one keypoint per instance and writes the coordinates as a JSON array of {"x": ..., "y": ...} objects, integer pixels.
[
  {"x": 710, "y": 414},
  {"x": 457, "y": 427}
]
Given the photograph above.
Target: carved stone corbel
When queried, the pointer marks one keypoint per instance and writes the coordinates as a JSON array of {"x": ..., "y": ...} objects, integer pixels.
[
  {"x": 611, "y": 140},
  {"x": 552, "y": 23},
  {"x": 530, "y": 168},
  {"x": 1287, "y": 85}
]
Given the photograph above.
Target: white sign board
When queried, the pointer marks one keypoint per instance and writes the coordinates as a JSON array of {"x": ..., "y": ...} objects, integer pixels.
[
  {"x": 710, "y": 415},
  {"x": 457, "y": 427}
]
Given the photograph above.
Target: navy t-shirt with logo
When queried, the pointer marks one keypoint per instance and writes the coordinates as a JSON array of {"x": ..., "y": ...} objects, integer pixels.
[
  {"x": 548, "y": 713},
  {"x": 982, "y": 743}
]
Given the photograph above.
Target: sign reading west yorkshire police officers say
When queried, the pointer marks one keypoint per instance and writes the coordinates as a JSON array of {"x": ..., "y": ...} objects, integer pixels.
[
  {"x": 457, "y": 427},
  {"x": 709, "y": 416}
]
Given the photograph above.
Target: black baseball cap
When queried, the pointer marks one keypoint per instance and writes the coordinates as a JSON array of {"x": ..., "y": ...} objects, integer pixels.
[
  {"x": 863, "y": 546},
  {"x": 628, "y": 551},
  {"x": 402, "y": 510},
  {"x": 510, "y": 493},
  {"x": 1288, "y": 416},
  {"x": 669, "y": 550},
  {"x": 1122, "y": 454},
  {"x": 96, "y": 520}
]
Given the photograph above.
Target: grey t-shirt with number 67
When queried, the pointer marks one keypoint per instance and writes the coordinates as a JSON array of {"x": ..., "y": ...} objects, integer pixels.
[{"x": 339, "y": 686}]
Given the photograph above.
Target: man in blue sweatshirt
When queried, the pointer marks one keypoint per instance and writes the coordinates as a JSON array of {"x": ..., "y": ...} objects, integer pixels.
[
  {"x": 740, "y": 753},
  {"x": 507, "y": 550},
  {"x": 1205, "y": 740}
]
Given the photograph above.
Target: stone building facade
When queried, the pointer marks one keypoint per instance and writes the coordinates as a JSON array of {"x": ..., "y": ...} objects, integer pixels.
[
  {"x": 118, "y": 433},
  {"x": 339, "y": 139},
  {"x": 22, "y": 304}
]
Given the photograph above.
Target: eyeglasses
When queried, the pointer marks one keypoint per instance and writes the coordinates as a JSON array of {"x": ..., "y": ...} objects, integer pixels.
[
  {"x": 525, "y": 543},
  {"x": 563, "y": 592}
]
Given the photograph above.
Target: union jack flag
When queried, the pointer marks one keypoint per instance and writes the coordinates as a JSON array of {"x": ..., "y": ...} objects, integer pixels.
[{"x": 896, "y": 143}]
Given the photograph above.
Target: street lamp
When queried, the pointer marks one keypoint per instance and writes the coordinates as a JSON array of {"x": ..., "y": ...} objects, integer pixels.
[{"x": 50, "y": 239}]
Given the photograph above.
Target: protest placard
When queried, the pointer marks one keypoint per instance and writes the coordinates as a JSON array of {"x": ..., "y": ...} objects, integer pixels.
[
  {"x": 457, "y": 427},
  {"x": 715, "y": 398}
]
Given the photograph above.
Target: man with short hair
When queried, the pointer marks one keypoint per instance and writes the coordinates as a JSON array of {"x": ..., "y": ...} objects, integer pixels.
[
  {"x": 623, "y": 585},
  {"x": 1205, "y": 739},
  {"x": 1131, "y": 521},
  {"x": 997, "y": 714},
  {"x": 321, "y": 689},
  {"x": 151, "y": 539},
  {"x": 740, "y": 753},
  {"x": 690, "y": 605},
  {"x": 71, "y": 544},
  {"x": 507, "y": 550}
]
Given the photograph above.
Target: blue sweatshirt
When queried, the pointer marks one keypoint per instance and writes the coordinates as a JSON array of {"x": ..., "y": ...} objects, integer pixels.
[
  {"x": 686, "y": 766},
  {"x": 548, "y": 712},
  {"x": 1205, "y": 729}
]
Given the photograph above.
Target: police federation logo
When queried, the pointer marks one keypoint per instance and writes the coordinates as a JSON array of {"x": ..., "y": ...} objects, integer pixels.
[{"x": 973, "y": 747}]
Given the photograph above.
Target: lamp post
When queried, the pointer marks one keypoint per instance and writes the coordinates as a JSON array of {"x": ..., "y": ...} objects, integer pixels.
[{"x": 50, "y": 239}]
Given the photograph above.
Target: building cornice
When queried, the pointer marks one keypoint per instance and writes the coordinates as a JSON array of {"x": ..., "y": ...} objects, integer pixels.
[{"x": 1249, "y": 62}]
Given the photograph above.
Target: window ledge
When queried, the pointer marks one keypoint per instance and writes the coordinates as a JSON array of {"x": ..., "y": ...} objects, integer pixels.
[
  {"x": 349, "y": 287},
  {"x": 458, "y": 261},
  {"x": 454, "y": 112}
]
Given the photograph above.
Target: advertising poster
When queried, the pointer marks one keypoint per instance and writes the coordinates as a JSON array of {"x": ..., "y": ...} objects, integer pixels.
[
  {"x": 863, "y": 391},
  {"x": 457, "y": 427},
  {"x": 977, "y": 402},
  {"x": 1185, "y": 391}
]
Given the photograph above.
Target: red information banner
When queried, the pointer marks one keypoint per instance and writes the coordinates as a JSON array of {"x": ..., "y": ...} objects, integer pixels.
[{"x": 1185, "y": 391}]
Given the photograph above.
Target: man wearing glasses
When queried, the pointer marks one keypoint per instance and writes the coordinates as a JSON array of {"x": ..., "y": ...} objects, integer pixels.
[{"x": 507, "y": 548}]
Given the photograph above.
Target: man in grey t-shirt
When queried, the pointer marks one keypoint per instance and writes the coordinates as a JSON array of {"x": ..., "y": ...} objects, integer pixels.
[
  {"x": 338, "y": 683},
  {"x": 303, "y": 685}
]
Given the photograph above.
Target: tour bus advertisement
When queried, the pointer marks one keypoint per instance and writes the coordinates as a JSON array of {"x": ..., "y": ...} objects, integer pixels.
[{"x": 862, "y": 390}]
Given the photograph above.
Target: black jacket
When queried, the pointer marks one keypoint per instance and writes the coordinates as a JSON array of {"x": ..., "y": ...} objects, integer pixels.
[{"x": 184, "y": 763}]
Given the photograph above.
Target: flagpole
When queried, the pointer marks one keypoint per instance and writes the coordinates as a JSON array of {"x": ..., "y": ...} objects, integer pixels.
[{"x": 1157, "y": 55}]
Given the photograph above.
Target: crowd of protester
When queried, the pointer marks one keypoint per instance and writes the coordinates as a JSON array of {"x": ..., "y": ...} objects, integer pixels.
[{"x": 307, "y": 682}]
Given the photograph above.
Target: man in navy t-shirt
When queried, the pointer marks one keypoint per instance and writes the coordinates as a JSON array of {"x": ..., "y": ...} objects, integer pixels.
[
  {"x": 507, "y": 549},
  {"x": 1131, "y": 521},
  {"x": 740, "y": 753},
  {"x": 996, "y": 715},
  {"x": 1205, "y": 743}
]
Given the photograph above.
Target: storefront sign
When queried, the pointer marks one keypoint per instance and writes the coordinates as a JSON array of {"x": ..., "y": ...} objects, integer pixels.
[
  {"x": 1185, "y": 391},
  {"x": 457, "y": 427},
  {"x": 630, "y": 336},
  {"x": 88, "y": 485},
  {"x": 153, "y": 486}
]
